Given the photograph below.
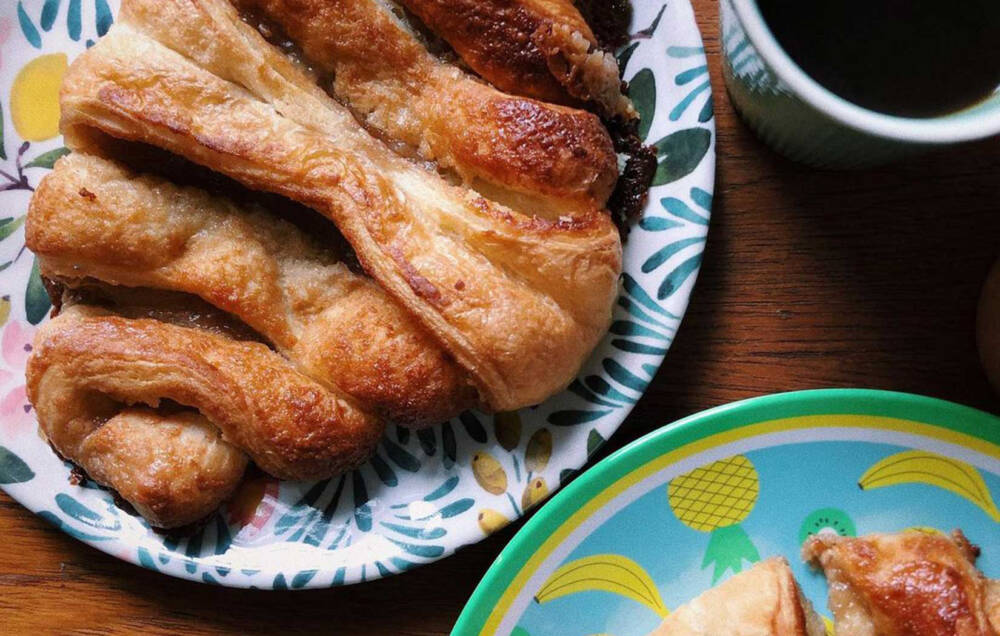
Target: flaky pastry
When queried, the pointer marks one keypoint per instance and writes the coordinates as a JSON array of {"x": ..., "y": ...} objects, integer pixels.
[
  {"x": 539, "y": 48},
  {"x": 763, "y": 601},
  {"x": 92, "y": 218},
  {"x": 912, "y": 583},
  {"x": 493, "y": 141},
  {"x": 87, "y": 363},
  {"x": 518, "y": 301},
  {"x": 473, "y": 262}
]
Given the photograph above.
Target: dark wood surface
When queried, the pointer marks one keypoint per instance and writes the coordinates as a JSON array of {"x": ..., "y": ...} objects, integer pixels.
[{"x": 810, "y": 279}]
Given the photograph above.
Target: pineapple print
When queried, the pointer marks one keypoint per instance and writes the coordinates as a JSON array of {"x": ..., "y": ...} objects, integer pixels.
[{"x": 715, "y": 498}]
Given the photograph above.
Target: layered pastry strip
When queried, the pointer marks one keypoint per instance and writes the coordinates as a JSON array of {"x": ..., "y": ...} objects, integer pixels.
[
  {"x": 538, "y": 48},
  {"x": 99, "y": 382},
  {"x": 906, "y": 584},
  {"x": 762, "y": 601},
  {"x": 93, "y": 219},
  {"x": 493, "y": 141},
  {"x": 518, "y": 301}
]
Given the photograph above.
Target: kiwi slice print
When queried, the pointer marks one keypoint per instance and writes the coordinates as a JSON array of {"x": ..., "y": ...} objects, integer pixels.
[{"x": 833, "y": 520}]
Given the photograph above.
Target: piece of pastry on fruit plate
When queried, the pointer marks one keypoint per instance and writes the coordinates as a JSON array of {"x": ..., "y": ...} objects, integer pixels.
[
  {"x": 762, "y": 601},
  {"x": 912, "y": 583}
]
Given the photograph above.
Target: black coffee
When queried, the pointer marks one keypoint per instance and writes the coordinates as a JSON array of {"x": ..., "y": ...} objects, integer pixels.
[{"x": 913, "y": 58}]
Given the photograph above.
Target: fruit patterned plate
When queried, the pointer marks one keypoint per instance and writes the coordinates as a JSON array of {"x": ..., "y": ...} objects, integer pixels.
[
  {"x": 424, "y": 494},
  {"x": 690, "y": 504}
]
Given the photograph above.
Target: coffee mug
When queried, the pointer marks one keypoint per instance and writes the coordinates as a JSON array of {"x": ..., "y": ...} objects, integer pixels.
[{"x": 804, "y": 121}]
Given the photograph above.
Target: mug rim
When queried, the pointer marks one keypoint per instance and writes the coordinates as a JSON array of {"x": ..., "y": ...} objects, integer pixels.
[{"x": 931, "y": 130}]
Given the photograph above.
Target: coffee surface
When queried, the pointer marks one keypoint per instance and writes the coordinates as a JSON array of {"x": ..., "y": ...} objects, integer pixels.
[{"x": 912, "y": 58}]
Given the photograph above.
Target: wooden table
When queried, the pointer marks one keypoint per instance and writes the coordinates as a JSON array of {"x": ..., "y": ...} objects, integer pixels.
[{"x": 811, "y": 279}]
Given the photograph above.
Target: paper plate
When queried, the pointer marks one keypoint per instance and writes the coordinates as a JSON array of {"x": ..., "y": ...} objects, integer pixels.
[
  {"x": 419, "y": 498},
  {"x": 687, "y": 506}
]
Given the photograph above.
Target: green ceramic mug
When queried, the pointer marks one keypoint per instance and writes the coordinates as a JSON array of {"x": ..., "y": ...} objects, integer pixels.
[{"x": 806, "y": 122}]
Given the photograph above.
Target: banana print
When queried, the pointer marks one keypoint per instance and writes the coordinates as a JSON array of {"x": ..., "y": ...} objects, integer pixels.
[
  {"x": 604, "y": 572},
  {"x": 914, "y": 466}
]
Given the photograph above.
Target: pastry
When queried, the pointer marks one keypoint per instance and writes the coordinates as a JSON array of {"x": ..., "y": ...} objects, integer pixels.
[
  {"x": 246, "y": 269},
  {"x": 539, "y": 48},
  {"x": 763, "y": 601},
  {"x": 518, "y": 301},
  {"x": 87, "y": 363},
  {"x": 912, "y": 583},
  {"x": 536, "y": 156},
  {"x": 93, "y": 219}
]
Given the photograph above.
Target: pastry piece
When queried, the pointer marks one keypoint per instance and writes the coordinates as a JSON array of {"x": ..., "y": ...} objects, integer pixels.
[
  {"x": 92, "y": 218},
  {"x": 493, "y": 141},
  {"x": 88, "y": 366},
  {"x": 912, "y": 583},
  {"x": 174, "y": 468},
  {"x": 762, "y": 601},
  {"x": 538, "y": 48},
  {"x": 518, "y": 301}
]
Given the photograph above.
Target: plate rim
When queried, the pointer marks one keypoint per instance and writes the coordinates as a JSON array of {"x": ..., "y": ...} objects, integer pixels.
[{"x": 699, "y": 426}]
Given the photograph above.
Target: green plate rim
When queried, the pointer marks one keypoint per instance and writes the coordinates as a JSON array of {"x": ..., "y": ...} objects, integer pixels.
[{"x": 907, "y": 406}]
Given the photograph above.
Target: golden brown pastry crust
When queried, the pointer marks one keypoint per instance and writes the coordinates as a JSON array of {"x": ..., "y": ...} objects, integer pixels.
[
  {"x": 518, "y": 301},
  {"x": 87, "y": 364},
  {"x": 398, "y": 88},
  {"x": 912, "y": 583},
  {"x": 538, "y": 48},
  {"x": 94, "y": 218},
  {"x": 762, "y": 601},
  {"x": 174, "y": 468}
]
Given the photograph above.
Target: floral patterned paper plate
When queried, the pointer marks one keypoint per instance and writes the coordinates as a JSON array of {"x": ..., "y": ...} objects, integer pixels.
[
  {"x": 424, "y": 494},
  {"x": 685, "y": 507}
]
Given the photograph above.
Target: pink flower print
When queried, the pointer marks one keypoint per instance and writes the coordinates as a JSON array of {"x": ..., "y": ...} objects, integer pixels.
[
  {"x": 16, "y": 345},
  {"x": 16, "y": 413},
  {"x": 4, "y": 34}
]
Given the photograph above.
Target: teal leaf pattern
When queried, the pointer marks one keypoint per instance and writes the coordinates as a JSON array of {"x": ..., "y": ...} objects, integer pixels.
[
  {"x": 594, "y": 442},
  {"x": 70, "y": 530},
  {"x": 384, "y": 472},
  {"x": 102, "y": 17},
  {"x": 402, "y": 434},
  {"x": 688, "y": 251},
  {"x": 401, "y": 456},
  {"x": 448, "y": 444},
  {"x": 362, "y": 511},
  {"x": 47, "y": 159},
  {"x": 146, "y": 559},
  {"x": 302, "y": 578},
  {"x": 74, "y": 24},
  {"x": 680, "y": 153},
  {"x": 36, "y": 299},
  {"x": 10, "y": 225},
  {"x": 696, "y": 77},
  {"x": 625, "y": 54},
  {"x": 473, "y": 426},
  {"x": 28, "y": 27},
  {"x": 49, "y": 12},
  {"x": 428, "y": 441},
  {"x": 13, "y": 470},
  {"x": 642, "y": 91}
]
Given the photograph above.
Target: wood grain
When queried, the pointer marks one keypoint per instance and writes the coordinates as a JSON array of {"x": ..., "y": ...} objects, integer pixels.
[{"x": 811, "y": 279}]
